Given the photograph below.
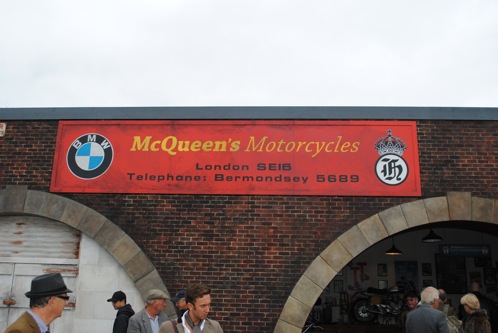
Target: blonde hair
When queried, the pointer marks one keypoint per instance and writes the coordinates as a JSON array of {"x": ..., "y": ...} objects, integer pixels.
[{"x": 471, "y": 301}]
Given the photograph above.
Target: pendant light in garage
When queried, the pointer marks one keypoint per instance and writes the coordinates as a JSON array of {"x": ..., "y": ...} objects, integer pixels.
[
  {"x": 432, "y": 237},
  {"x": 393, "y": 251}
]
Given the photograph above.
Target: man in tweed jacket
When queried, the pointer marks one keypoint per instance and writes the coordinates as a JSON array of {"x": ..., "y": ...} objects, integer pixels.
[
  {"x": 149, "y": 320},
  {"x": 195, "y": 320}
]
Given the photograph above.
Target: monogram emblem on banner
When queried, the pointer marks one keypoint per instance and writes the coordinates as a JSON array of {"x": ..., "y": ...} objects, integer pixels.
[{"x": 391, "y": 168}]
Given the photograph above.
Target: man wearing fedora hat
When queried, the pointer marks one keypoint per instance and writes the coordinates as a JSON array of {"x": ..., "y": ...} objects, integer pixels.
[
  {"x": 149, "y": 320},
  {"x": 47, "y": 299}
]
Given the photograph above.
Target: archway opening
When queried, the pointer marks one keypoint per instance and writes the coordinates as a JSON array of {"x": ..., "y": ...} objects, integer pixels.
[{"x": 455, "y": 210}]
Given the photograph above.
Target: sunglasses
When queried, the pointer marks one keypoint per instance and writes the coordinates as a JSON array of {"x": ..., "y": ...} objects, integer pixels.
[{"x": 66, "y": 298}]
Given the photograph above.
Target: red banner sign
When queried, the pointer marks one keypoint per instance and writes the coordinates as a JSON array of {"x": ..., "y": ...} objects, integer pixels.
[{"x": 360, "y": 158}]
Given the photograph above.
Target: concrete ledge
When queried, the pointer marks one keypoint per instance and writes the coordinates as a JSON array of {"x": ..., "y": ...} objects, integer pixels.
[
  {"x": 373, "y": 229},
  {"x": 92, "y": 222},
  {"x": 295, "y": 312},
  {"x": 108, "y": 235},
  {"x": 394, "y": 220},
  {"x": 2, "y": 201},
  {"x": 35, "y": 201},
  {"x": 15, "y": 198},
  {"x": 460, "y": 206},
  {"x": 124, "y": 249},
  {"x": 283, "y": 327},
  {"x": 354, "y": 241},
  {"x": 306, "y": 291},
  {"x": 336, "y": 255},
  {"x": 138, "y": 266},
  {"x": 73, "y": 213},
  {"x": 495, "y": 212},
  {"x": 54, "y": 207},
  {"x": 150, "y": 281},
  {"x": 320, "y": 272},
  {"x": 415, "y": 213},
  {"x": 482, "y": 209},
  {"x": 437, "y": 209}
]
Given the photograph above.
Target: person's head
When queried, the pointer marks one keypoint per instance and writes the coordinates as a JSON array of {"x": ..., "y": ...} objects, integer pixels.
[
  {"x": 179, "y": 300},
  {"x": 411, "y": 300},
  {"x": 470, "y": 303},
  {"x": 475, "y": 286},
  {"x": 118, "y": 300},
  {"x": 442, "y": 295},
  {"x": 198, "y": 301},
  {"x": 156, "y": 301},
  {"x": 430, "y": 295},
  {"x": 48, "y": 296}
]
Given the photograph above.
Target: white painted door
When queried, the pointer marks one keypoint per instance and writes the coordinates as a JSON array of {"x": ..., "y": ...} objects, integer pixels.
[
  {"x": 30, "y": 247},
  {"x": 21, "y": 276}
]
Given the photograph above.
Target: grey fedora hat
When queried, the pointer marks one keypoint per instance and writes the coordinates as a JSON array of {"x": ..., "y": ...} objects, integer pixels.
[{"x": 47, "y": 285}]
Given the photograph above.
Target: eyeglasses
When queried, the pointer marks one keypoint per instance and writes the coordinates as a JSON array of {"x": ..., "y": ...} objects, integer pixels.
[{"x": 66, "y": 298}]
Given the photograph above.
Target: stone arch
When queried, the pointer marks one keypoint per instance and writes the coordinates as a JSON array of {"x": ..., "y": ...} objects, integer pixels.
[
  {"x": 18, "y": 200},
  {"x": 455, "y": 206}
]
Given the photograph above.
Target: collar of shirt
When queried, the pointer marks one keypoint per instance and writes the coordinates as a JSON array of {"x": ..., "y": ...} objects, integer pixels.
[
  {"x": 43, "y": 327},
  {"x": 154, "y": 323}
]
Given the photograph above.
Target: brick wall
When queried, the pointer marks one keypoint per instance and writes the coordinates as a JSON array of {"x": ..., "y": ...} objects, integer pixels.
[{"x": 252, "y": 249}]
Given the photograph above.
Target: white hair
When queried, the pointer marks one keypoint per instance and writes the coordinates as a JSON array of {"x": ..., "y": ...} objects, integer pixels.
[{"x": 429, "y": 295}]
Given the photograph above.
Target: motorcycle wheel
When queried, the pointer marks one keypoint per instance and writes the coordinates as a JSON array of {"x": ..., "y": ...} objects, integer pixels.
[{"x": 361, "y": 311}]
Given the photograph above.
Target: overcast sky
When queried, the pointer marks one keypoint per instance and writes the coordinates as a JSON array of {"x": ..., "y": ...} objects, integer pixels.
[{"x": 72, "y": 53}]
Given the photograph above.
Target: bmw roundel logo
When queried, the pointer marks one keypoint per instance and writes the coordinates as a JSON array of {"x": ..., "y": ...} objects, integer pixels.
[{"x": 89, "y": 156}]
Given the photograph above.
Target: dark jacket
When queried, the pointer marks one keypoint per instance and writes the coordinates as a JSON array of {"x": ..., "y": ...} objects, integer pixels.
[
  {"x": 477, "y": 322},
  {"x": 122, "y": 318}
]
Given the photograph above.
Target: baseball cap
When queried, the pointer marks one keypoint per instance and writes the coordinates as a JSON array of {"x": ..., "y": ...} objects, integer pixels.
[
  {"x": 117, "y": 296},
  {"x": 156, "y": 294},
  {"x": 179, "y": 295}
]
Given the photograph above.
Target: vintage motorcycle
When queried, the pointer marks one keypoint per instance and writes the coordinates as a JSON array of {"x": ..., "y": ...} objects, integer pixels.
[{"x": 383, "y": 305}]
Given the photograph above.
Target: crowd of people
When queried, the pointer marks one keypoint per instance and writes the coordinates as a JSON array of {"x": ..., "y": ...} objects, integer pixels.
[
  {"x": 49, "y": 295},
  {"x": 432, "y": 312},
  {"x": 428, "y": 313}
]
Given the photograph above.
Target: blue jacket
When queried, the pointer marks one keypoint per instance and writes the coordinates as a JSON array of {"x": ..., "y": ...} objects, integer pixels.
[{"x": 425, "y": 319}]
